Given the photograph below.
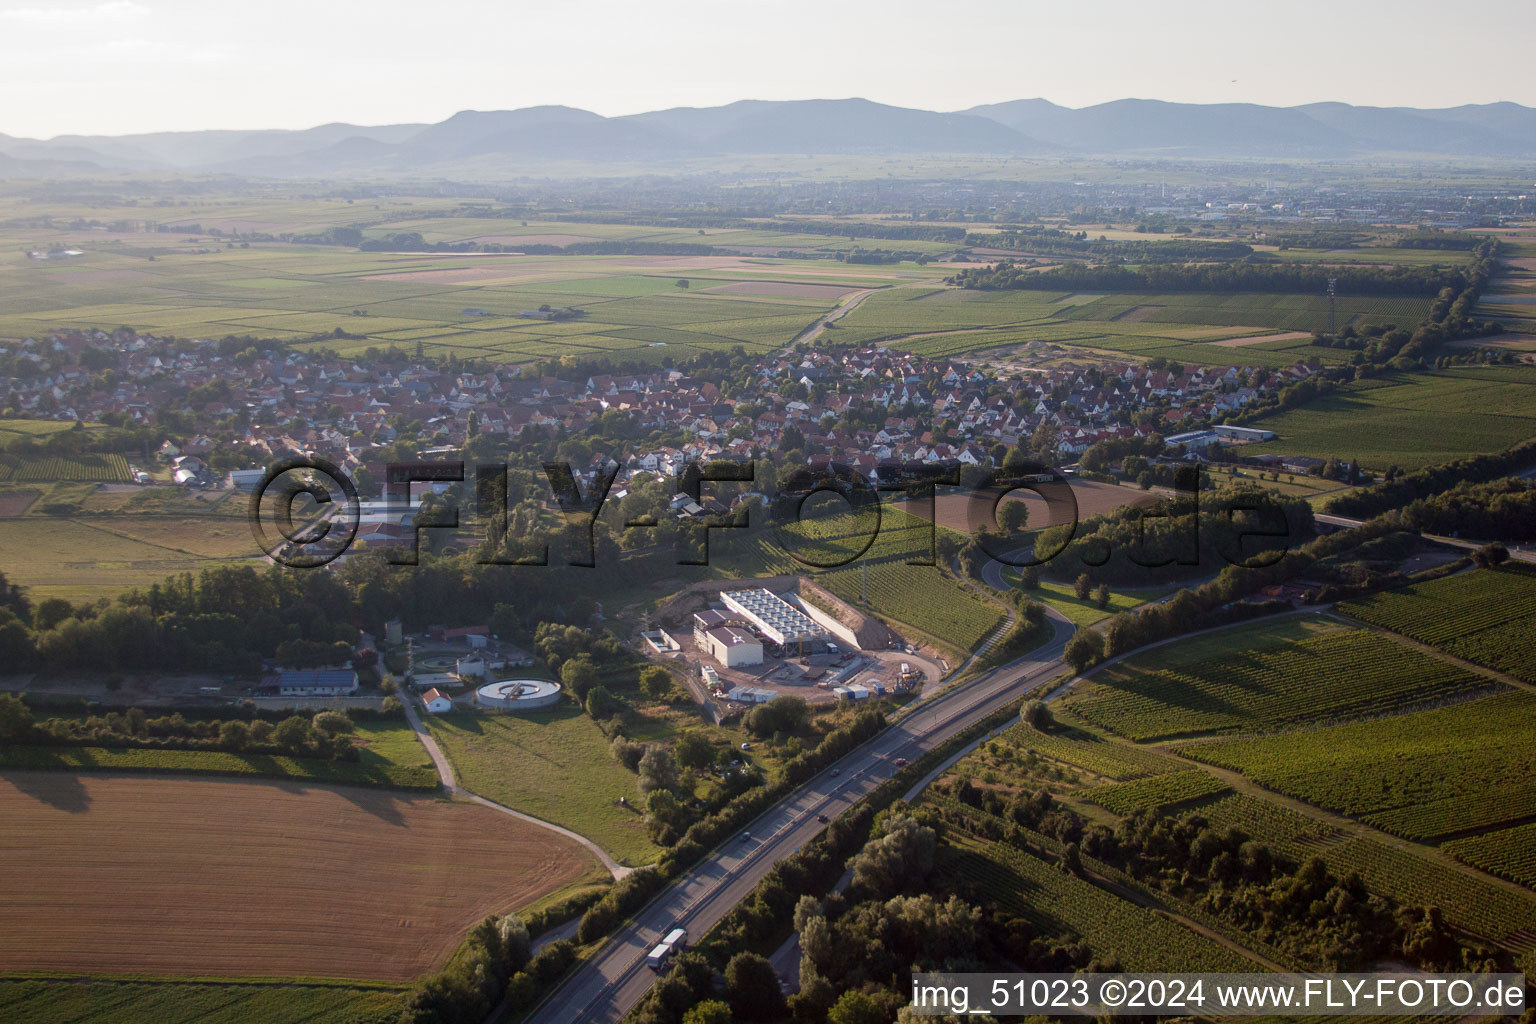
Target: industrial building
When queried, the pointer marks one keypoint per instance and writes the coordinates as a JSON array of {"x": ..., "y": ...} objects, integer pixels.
[
  {"x": 313, "y": 683},
  {"x": 779, "y": 621},
  {"x": 1193, "y": 440},
  {"x": 733, "y": 647},
  {"x": 1243, "y": 433}
]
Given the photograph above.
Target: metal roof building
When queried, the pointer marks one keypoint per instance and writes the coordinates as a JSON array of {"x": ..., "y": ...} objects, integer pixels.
[{"x": 779, "y": 621}]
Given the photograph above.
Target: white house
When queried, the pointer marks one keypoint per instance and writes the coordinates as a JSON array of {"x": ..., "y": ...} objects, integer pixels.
[{"x": 437, "y": 701}]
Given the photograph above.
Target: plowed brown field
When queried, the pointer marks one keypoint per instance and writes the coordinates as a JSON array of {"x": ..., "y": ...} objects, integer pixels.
[
  {"x": 193, "y": 877},
  {"x": 1093, "y": 499}
]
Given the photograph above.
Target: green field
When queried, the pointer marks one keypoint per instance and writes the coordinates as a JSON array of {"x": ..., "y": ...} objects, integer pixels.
[
  {"x": 951, "y": 322},
  {"x": 1413, "y": 421},
  {"x": 1078, "y": 745},
  {"x": 1487, "y": 616},
  {"x": 377, "y": 768},
  {"x": 76, "y": 1002},
  {"x": 1160, "y": 793},
  {"x": 1411, "y": 878},
  {"x": 1279, "y": 674},
  {"x": 1421, "y": 775},
  {"x": 1058, "y": 903},
  {"x": 1081, "y": 612},
  {"x": 85, "y": 558},
  {"x": 95, "y": 468},
  {"x": 1509, "y": 853},
  {"x": 199, "y": 287},
  {"x": 553, "y": 765}
]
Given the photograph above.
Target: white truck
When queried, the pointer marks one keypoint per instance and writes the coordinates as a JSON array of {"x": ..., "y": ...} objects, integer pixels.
[
  {"x": 675, "y": 941},
  {"x": 658, "y": 957}
]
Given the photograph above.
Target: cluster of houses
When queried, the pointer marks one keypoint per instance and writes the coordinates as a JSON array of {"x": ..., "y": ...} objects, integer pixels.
[{"x": 860, "y": 406}]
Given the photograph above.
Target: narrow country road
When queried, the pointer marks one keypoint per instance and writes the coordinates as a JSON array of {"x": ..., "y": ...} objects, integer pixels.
[
  {"x": 847, "y": 306},
  {"x": 446, "y": 777}
]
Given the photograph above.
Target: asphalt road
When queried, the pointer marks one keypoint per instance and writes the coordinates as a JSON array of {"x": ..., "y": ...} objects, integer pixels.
[{"x": 609, "y": 985}]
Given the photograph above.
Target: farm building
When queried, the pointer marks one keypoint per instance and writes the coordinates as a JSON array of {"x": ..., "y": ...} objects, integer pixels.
[
  {"x": 786, "y": 626},
  {"x": 732, "y": 647},
  {"x": 437, "y": 701},
  {"x": 1244, "y": 433},
  {"x": 313, "y": 683}
]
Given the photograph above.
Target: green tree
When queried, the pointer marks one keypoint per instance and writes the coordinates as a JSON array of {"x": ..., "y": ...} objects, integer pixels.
[
  {"x": 333, "y": 723},
  {"x": 1085, "y": 649},
  {"x": 855, "y": 1007},
  {"x": 1101, "y": 595},
  {"x": 235, "y": 735},
  {"x": 710, "y": 1011},
  {"x": 1082, "y": 586},
  {"x": 752, "y": 988},
  {"x": 694, "y": 750},
  {"x": 292, "y": 733},
  {"x": 50, "y": 612},
  {"x": 1037, "y": 715},
  {"x": 579, "y": 676},
  {"x": 658, "y": 769},
  {"x": 901, "y": 856},
  {"x": 1013, "y": 516},
  {"x": 601, "y": 704},
  {"x": 656, "y": 682},
  {"x": 15, "y": 717}
]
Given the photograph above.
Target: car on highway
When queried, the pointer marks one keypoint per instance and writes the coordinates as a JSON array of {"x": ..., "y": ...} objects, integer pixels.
[
  {"x": 823, "y": 818},
  {"x": 900, "y": 762},
  {"x": 745, "y": 836},
  {"x": 836, "y": 772}
]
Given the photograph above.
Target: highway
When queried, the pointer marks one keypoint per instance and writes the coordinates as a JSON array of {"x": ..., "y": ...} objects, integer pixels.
[{"x": 611, "y": 983}]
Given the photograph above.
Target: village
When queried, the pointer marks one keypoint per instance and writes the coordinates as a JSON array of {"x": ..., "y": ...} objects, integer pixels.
[{"x": 242, "y": 406}]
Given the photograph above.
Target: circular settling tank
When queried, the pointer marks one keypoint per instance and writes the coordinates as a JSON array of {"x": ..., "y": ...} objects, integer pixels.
[{"x": 517, "y": 694}]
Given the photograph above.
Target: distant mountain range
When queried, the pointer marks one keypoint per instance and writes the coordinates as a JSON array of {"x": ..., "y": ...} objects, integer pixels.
[{"x": 474, "y": 139}]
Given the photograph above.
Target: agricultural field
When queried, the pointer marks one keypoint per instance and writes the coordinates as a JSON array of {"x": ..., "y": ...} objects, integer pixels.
[
  {"x": 1422, "y": 775},
  {"x": 1287, "y": 673},
  {"x": 1410, "y": 877},
  {"x": 1076, "y": 745},
  {"x": 554, "y": 765},
  {"x": 1061, "y": 904},
  {"x": 951, "y": 322},
  {"x": 1290, "y": 833},
  {"x": 1160, "y": 793},
  {"x": 1064, "y": 599},
  {"x": 46, "y": 469},
  {"x": 1410, "y": 421},
  {"x": 1509, "y": 853},
  {"x": 256, "y": 880},
  {"x": 65, "y": 1002},
  {"x": 385, "y": 762},
  {"x": 85, "y": 558},
  {"x": 1485, "y": 616},
  {"x": 466, "y": 305}
]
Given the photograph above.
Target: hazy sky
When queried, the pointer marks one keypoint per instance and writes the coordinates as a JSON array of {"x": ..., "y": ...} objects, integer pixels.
[{"x": 117, "y": 66}]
